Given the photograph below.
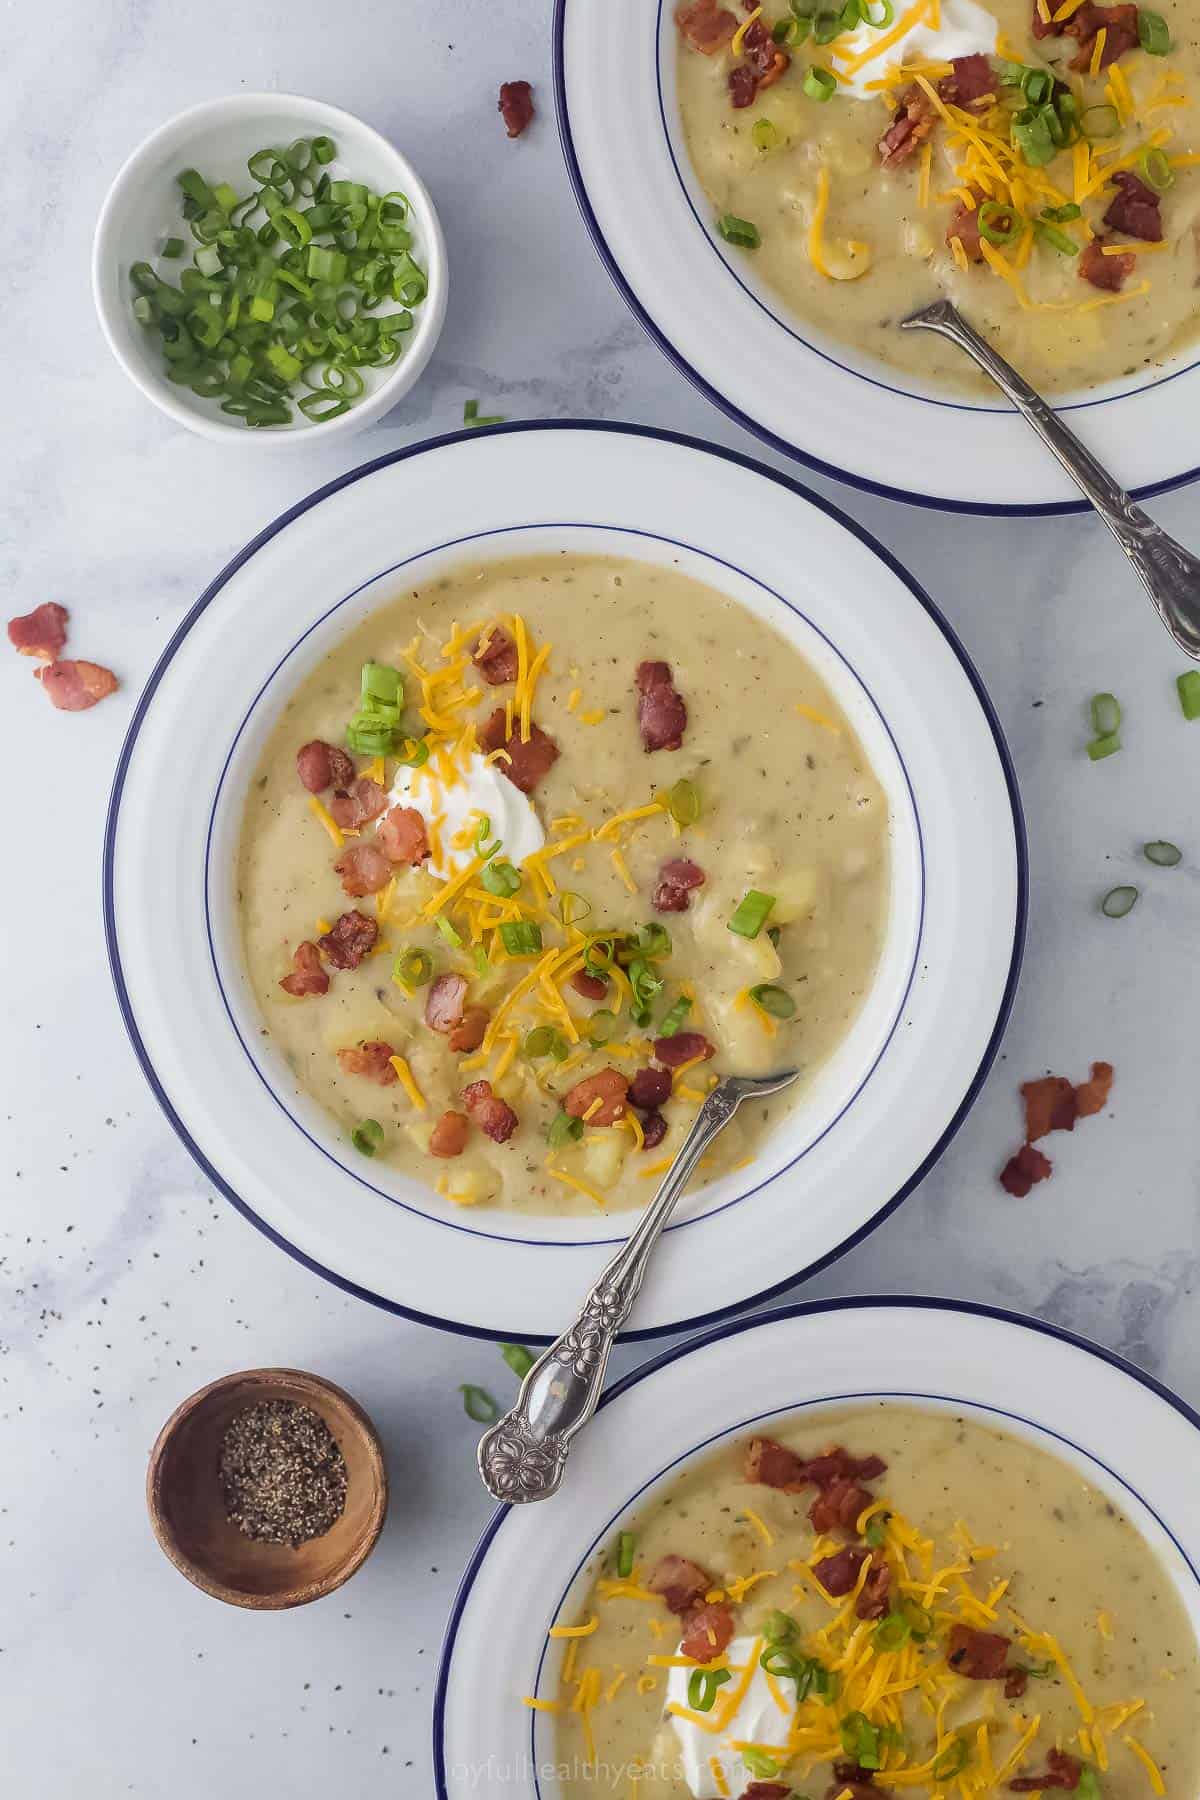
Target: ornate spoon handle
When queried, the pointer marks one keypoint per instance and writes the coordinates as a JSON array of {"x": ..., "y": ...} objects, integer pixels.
[
  {"x": 1169, "y": 573},
  {"x": 522, "y": 1456}
]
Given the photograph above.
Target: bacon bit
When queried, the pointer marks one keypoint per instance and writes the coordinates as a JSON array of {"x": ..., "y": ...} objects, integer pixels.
[
  {"x": 608, "y": 1086},
  {"x": 1135, "y": 209},
  {"x": 764, "y": 63},
  {"x": 838, "y": 1573},
  {"x": 321, "y": 765},
  {"x": 839, "y": 1503},
  {"x": 353, "y": 934},
  {"x": 516, "y": 106},
  {"x": 527, "y": 763},
  {"x": 1015, "y": 1683},
  {"x": 773, "y": 1465},
  {"x": 1092, "y": 1096},
  {"x": 682, "y": 1047},
  {"x": 654, "y": 1130},
  {"x": 444, "y": 1003},
  {"x": 680, "y": 1582},
  {"x": 852, "y": 1772},
  {"x": 676, "y": 879},
  {"x": 872, "y": 1603},
  {"x": 357, "y": 804},
  {"x": 912, "y": 122},
  {"x": 494, "y": 1117},
  {"x": 1120, "y": 24},
  {"x": 496, "y": 657},
  {"x": 364, "y": 869},
  {"x": 838, "y": 1465},
  {"x": 1024, "y": 1170},
  {"x": 449, "y": 1135},
  {"x": 1062, "y": 1771},
  {"x": 372, "y": 1059},
  {"x": 468, "y": 1034},
  {"x": 1053, "y": 1104},
  {"x": 649, "y": 1088},
  {"x": 1050, "y": 1105},
  {"x": 964, "y": 225},
  {"x": 307, "y": 976},
  {"x": 979, "y": 1655},
  {"x": 970, "y": 83},
  {"x": 662, "y": 713},
  {"x": 592, "y": 987},
  {"x": 709, "y": 1631},
  {"x": 706, "y": 26},
  {"x": 43, "y": 632},
  {"x": 76, "y": 686},
  {"x": 770, "y": 1790},
  {"x": 402, "y": 836},
  {"x": 1107, "y": 272}
]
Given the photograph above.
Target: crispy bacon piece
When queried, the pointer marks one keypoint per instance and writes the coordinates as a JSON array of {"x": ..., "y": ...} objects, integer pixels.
[
  {"x": 321, "y": 765},
  {"x": 706, "y": 26},
  {"x": 1136, "y": 208},
  {"x": 680, "y": 1582},
  {"x": 852, "y": 1772},
  {"x": 682, "y": 1047},
  {"x": 654, "y": 1130},
  {"x": 364, "y": 869},
  {"x": 592, "y": 987},
  {"x": 372, "y": 1059},
  {"x": 1092, "y": 1096},
  {"x": 449, "y": 1135},
  {"x": 838, "y": 1464},
  {"x": 468, "y": 1033},
  {"x": 349, "y": 940},
  {"x": 838, "y": 1504},
  {"x": 1024, "y": 1170},
  {"x": 676, "y": 879},
  {"x": 516, "y": 106},
  {"x": 773, "y": 1465},
  {"x": 979, "y": 1655},
  {"x": 964, "y": 225},
  {"x": 402, "y": 836},
  {"x": 708, "y": 1632},
  {"x": 496, "y": 657},
  {"x": 527, "y": 763},
  {"x": 1050, "y": 1105},
  {"x": 970, "y": 83},
  {"x": 307, "y": 975},
  {"x": 42, "y": 632},
  {"x": 1015, "y": 1683},
  {"x": 1062, "y": 1771},
  {"x": 494, "y": 1117},
  {"x": 357, "y": 804},
  {"x": 75, "y": 686},
  {"x": 912, "y": 122},
  {"x": 662, "y": 713},
  {"x": 649, "y": 1088},
  {"x": 445, "y": 1002},
  {"x": 1121, "y": 32},
  {"x": 767, "y": 1790},
  {"x": 838, "y": 1573},
  {"x": 764, "y": 63},
  {"x": 1107, "y": 272},
  {"x": 609, "y": 1087},
  {"x": 872, "y": 1603}
]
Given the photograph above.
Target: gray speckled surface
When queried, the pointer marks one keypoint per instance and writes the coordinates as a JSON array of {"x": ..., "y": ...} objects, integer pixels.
[{"x": 126, "y": 1283}]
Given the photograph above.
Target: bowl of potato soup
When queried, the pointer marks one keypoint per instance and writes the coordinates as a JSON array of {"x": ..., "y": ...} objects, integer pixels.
[
  {"x": 512, "y": 826},
  {"x": 858, "y": 1549},
  {"x": 775, "y": 187}
]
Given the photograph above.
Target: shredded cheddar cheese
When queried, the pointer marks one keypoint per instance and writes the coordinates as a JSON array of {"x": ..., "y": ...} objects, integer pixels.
[
  {"x": 405, "y": 1077},
  {"x": 327, "y": 820}
]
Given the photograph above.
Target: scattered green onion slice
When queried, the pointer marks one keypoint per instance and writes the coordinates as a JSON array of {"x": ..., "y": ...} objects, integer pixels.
[
  {"x": 572, "y": 906},
  {"x": 1038, "y": 85},
  {"x": 773, "y": 1000},
  {"x": 563, "y": 1129},
  {"x": 472, "y": 415},
  {"x": 1156, "y": 170},
  {"x": 1099, "y": 122},
  {"x": 482, "y": 965},
  {"x": 878, "y": 14},
  {"x": 646, "y": 984},
  {"x": 1106, "y": 714},
  {"x": 1061, "y": 215},
  {"x": 172, "y": 247},
  {"x": 739, "y": 231},
  {"x": 598, "y": 957},
  {"x": 876, "y": 1531},
  {"x": 448, "y": 932},
  {"x": 654, "y": 940},
  {"x": 520, "y": 937},
  {"x": 324, "y": 149},
  {"x": 674, "y": 1019},
  {"x": 804, "y": 17},
  {"x": 750, "y": 914},
  {"x": 1101, "y": 747},
  {"x": 601, "y": 1026},
  {"x": 860, "y": 1740},
  {"x": 543, "y": 1040},
  {"x": 1058, "y": 240},
  {"x": 702, "y": 1688},
  {"x": 1162, "y": 854},
  {"x": 999, "y": 224},
  {"x": 1033, "y": 135},
  {"x": 760, "y": 1764},
  {"x": 478, "y": 1404},
  {"x": 819, "y": 84},
  {"x": 518, "y": 1358},
  {"x": 826, "y": 26},
  {"x": 892, "y": 1631},
  {"x": 1187, "y": 686},
  {"x": 500, "y": 878},
  {"x": 1153, "y": 35},
  {"x": 952, "y": 1759},
  {"x": 764, "y": 134},
  {"x": 381, "y": 682},
  {"x": 367, "y": 1137},
  {"x": 1118, "y": 902},
  {"x": 791, "y": 33},
  {"x": 626, "y": 1545},
  {"x": 412, "y": 969},
  {"x": 920, "y": 1621},
  {"x": 778, "y": 1627},
  {"x": 413, "y": 753},
  {"x": 684, "y": 802},
  {"x": 1089, "y": 1786}
]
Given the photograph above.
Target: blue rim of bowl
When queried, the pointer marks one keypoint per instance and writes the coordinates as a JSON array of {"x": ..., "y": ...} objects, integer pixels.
[
  {"x": 935, "y": 503},
  {"x": 864, "y": 537},
  {"x": 732, "y": 1328}
]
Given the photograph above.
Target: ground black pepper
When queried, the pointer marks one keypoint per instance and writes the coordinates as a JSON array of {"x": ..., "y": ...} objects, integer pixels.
[{"x": 282, "y": 1475}]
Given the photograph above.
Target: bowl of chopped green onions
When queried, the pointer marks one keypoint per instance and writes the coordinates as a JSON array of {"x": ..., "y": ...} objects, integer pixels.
[{"x": 267, "y": 266}]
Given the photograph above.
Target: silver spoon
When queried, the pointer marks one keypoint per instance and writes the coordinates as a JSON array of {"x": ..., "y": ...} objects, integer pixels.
[
  {"x": 522, "y": 1456},
  {"x": 1169, "y": 573}
]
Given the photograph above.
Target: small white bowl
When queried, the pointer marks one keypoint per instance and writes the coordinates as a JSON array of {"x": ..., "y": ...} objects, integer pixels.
[{"x": 143, "y": 206}]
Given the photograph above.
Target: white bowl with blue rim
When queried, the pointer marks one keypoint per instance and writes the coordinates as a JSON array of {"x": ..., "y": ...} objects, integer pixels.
[
  {"x": 143, "y": 210},
  {"x": 809, "y": 395},
  {"x": 1126, "y": 1435},
  {"x": 873, "y": 1119}
]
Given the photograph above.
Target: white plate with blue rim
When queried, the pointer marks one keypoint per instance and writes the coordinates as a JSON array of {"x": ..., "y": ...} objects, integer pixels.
[
  {"x": 1125, "y": 1435},
  {"x": 808, "y": 395},
  {"x": 876, "y": 1116}
]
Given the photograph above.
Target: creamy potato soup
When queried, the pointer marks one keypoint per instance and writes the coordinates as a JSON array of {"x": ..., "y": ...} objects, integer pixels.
[
  {"x": 541, "y": 851},
  {"x": 1032, "y": 160},
  {"x": 891, "y": 1601}
]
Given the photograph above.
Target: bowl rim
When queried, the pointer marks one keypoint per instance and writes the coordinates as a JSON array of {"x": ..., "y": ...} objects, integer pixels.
[
  {"x": 781, "y": 479},
  {"x": 429, "y": 318},
  {"x": 728, "y": 406},
  {"x": 733, "y": 1328}
]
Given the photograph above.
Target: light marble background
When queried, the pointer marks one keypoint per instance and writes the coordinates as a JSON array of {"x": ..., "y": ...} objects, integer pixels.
[{"x": 126, "y": 1282}]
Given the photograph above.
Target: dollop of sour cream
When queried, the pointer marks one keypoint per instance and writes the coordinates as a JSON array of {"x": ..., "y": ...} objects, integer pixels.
[
  {"x": 758, "y": 1720},
  {"x": 479, "y": 791},
  {"x": 965, "y": 29}
]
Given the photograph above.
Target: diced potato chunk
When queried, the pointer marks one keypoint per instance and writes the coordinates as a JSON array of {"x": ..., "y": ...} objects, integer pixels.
[
  {"x": 799, "y": 894},
  {"x": 602, "y": 1159}
]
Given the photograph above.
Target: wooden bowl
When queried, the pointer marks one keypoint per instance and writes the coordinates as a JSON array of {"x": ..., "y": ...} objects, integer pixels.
[{"x": 187, "y": 1508}]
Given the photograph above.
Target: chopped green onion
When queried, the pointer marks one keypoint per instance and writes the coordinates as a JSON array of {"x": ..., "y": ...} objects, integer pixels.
[
  {"x": 601, "y": 1026},
  {"x": 478, "y": 1404},
  {"x": 892, "y": 1631},
  {"x": 519, "y": 1359},
  {"x": 803, "y": 15},
  {"x": 1164, "y": 855},
  {"x": 367, "y": 1137},
  {"x": 1153, "y": 35},
  {"x": 826, "y": 26},
  {"x": 1106, "y": 714},
  {"x": 267, "y": 167},
  {"x": 413, "y": 753},
  {"x": 675, "y": 1017},
  {"x": 323, "y": 149},
  {"x": 860, "y": 1740},
  {"x": 702, "y": 1688},
  {"x": 412, "y": 969},
  {"x": 876, "y": 1531},
  {"x": 646, "y": 984},
  {"x": 778, "y": 1627},
  {"x": 819, "y": 84},
  {"x": 500, "y": 878},
  {"x": 739, "y": 231},
  {"x": 1061, "y": 215},
  {"x": 598, "y": 957},
  {"x": 626, "y": 1545},
  {"x": 1101, "y": 747},
  {"x": 381, "y": 682},
  {"x": 1057, "y": 240},
  {"x": 952, "y": 1759},
  {"x": 760, "y": 1764},
  {"x": 198, "y": 190},
  {"x": 1187, "y": 686},
  {"x": 683, "y": 802},
  {"x": 1099, "y": 122},
  {"x": 790, "y": 33},
  {"x": 750, "y": 914},
  {"x": 1038, "y": 85},
  {"x": 572, "y": 906},
  {"x": 563, "y": 1128},
  {"x": 473, "y": 416},
  {"x": 1118, "y": 902},
  {"x": 878, "y": 14},
  {"x": 543, "y": 1040},
  {"x": 448, "y": 932},
  {"x": 920, "y": 1622},
  {"x": 654, "y": 940},
  {"x": 482, "y": 834},
  {"x": 520, "y": 937},
  {"x": 1089, "y": 1786},
  {"x": 850, "y": 15},
  {"x": 1033, "y": 135},
  {"x": 999, "y": 224},
  {"x": 764, "y": 134},
  {"x": 172, "y": 247},
  {"x": 482, "y": 965},
  {"x": 1156, "y": 170}
]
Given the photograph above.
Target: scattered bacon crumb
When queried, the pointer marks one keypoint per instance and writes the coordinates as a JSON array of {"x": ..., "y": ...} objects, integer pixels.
[
  {"x": 1062, "y": 1771},
  {"x": 662, "y": 711},
  {"x": 912, "y": 122},
  {"x": 468, "y": 1033},
  {"x": 649, "y": 1088},
  {"x": 964, "y": 225},
  {"x": 449, "y": 1135},
  {"x": 676, "y": 879},
  {"x": 76, "y": 686},
  {"x": 979, "y": 1655},
  {"x": 709, "y": 1631},
  {"x": 444, "y": 1003},
  {"x": 592, "y": 987},
  {"x": 608, "y": 1086},
  {"x": 654, "y": 1130},
  {"x": 516, "y": 106},
  {"x": 872, "y": 1602},
  {"x": 372, "y": 1059},
  {"x": 1052, "y": 1103},
  {"x": 1136, "y": 209},
  {"x": 706, "y": 26},
  {"x": 494, "y": 1117},
  {"x": 1106, "y": 272},
  {"x": 402, "y": 836},
  {"x": 679, "y": 1581},
  {"x": 838, "y": 1573},
  {"x": 1120, "y": 25},
  {"x": 364, "y": 869},
  {"x": 307, "y": 975},
  {"x": 527, "y": 763},
  {"x": 1015, "y": 1683},
  {"x": 839, "y": 1504},
  {"x": 321, "y": 765},
  {"x": 1091, "y": 1096},
  {"x": 42, "y": 632},
  {"x": 356, "y": 805},
  {"x": 1024, "y": 1170},
  {"x": 496, "y": 657},
  {"x": 349, "y": 940},
  {"x": 681, "y": 1047},
  {"x": 773, "y": 1790},
  {"x": 764, "y": 63}
]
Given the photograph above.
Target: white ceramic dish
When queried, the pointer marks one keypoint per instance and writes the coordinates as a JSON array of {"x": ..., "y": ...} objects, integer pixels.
[
  {"x": 808, "y": 395},
  {"x": 877, "y": 1114},
  {"x": 1130, "y": 1437},
  {"x": 142, "y": 207}
]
